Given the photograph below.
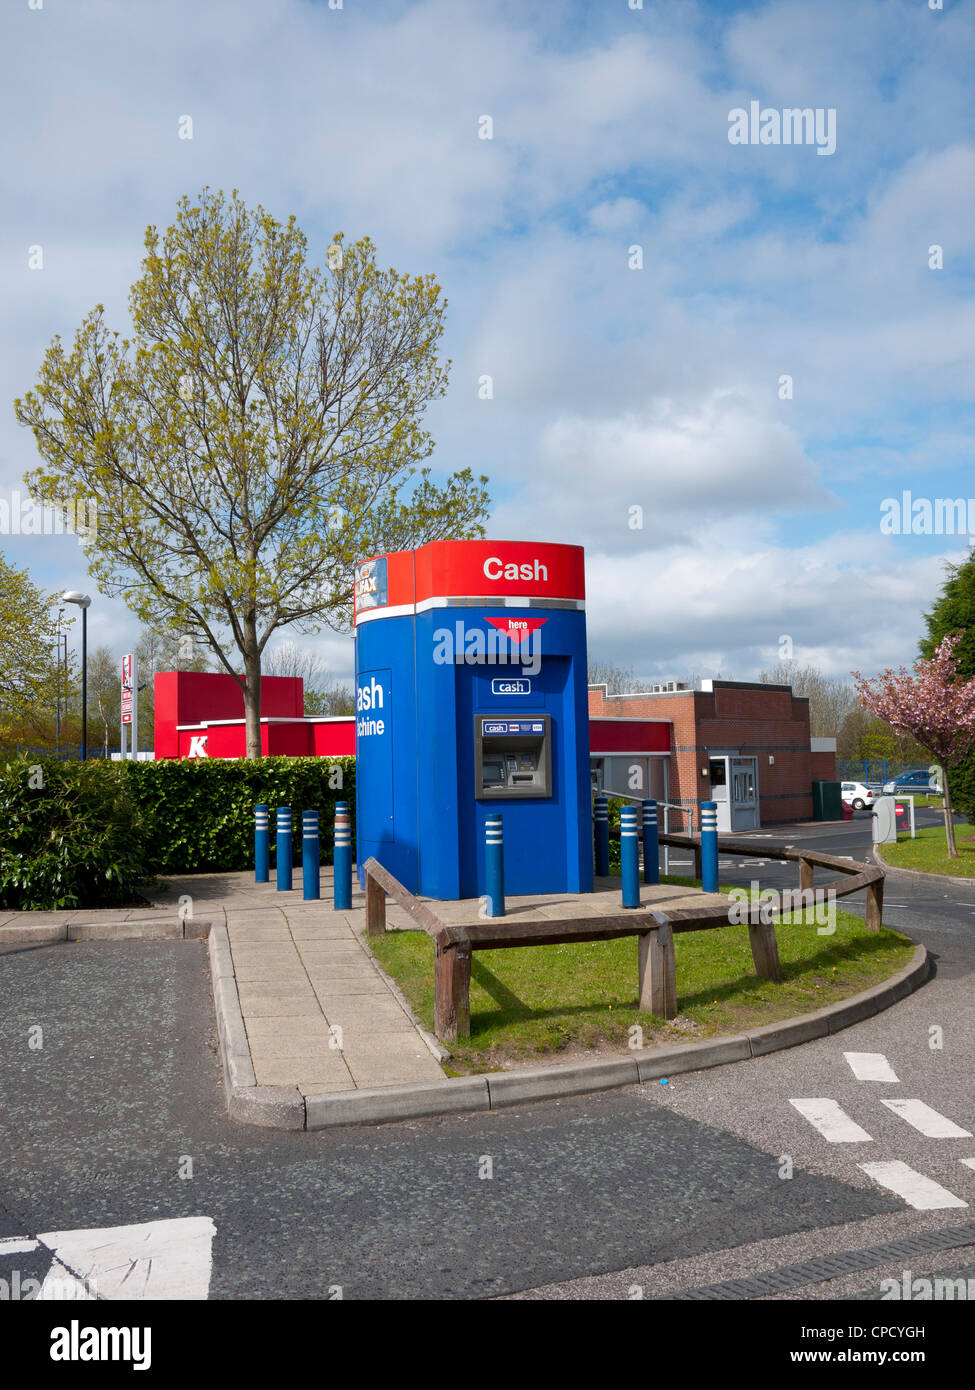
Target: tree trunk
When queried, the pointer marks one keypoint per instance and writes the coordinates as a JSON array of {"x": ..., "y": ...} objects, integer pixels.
[
  {"x": 252, "y": 689},
  {"x": 949, "y": 823}
]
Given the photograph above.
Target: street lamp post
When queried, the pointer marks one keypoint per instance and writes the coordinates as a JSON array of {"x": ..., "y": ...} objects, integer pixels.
[
  {"x": 83, "y": 602},
  {"x": 57, "y": 685}
]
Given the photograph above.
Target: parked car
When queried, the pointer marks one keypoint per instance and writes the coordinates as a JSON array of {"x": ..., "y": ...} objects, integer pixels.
[
  {"x": 857, "y": 795},
  {"x": 917, "y": 780}
]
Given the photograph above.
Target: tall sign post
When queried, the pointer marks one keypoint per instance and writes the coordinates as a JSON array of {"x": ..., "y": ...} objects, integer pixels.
[{"x": 130, "y": 704}]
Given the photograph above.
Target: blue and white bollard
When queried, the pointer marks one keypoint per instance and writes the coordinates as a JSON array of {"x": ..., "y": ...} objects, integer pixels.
[
  {"x": 601, "y": 833},
  {"x": 709, "y": 846},
  {"x": 630, "y": 856},
  {"x": 283, "y": 848},
  {"x": 494, "y": 866},
  {"x": 651, "y": 843},
  {"x": 311, "y": 859},
  {"x": 342, "y": 858},
  {"x": 262, "y": 844}
]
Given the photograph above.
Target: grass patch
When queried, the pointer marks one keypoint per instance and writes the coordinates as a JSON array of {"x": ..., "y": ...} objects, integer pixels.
[
  {"x": 929, "y": 852},
  {"x": 535, "y": 1001}
]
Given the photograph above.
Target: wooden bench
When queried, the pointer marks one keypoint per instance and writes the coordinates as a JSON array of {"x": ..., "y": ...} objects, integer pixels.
[{"x": 657, "y": 985}]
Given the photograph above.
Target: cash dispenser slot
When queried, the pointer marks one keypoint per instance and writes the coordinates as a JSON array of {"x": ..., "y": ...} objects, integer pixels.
[{"x": 512, "y": 756}]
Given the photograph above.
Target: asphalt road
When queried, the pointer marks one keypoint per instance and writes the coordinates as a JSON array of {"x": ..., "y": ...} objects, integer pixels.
[{"x": 117, "y": 1121}]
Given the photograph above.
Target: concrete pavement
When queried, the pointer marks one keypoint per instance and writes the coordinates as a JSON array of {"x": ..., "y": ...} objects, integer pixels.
[{"x": 319, "y": 1013}]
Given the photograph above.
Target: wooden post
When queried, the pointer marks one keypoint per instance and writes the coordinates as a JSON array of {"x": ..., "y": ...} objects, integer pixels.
[
  {"x": 658, "y": 972},
  {"x": 765, "y": 949},
  {"x": 452, "y": 990},
  {"x": 805, "y": 875},
  {"x": 375, "y": 907},
  {"x": 875, "y": 905}
]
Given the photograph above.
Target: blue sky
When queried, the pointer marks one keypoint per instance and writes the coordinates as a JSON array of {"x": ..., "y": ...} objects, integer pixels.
[{"x": 613, "y": 387}]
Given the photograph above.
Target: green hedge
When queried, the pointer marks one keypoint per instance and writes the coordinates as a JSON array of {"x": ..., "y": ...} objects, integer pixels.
[
  {"x": 71, "y": 835},
  {"x": 88, "y": 834},
  {"x": 199, "y": 813}
]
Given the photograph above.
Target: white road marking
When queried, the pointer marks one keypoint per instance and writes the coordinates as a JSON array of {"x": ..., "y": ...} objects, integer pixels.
[
  {"x": 831, "y": 1120},
  {"x": 917, "y": 1190},
  {"x": 169, "y": 1259},
  {"x": 17, "y": 1247},
  {"x": 969, "y": 1162},
  {"x": 926, "y": 1120},
  {"x": 870, "y": 1066}
]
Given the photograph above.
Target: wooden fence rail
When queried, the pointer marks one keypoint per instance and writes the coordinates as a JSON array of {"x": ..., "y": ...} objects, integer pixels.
[{"x": 654, "y": 928}]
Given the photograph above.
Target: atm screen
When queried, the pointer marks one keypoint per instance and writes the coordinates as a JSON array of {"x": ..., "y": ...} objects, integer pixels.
[{"x": 513, "y": 756}]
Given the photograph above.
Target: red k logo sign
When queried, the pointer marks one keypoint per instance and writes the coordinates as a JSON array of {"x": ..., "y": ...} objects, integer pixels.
[{"x": 517, "y": 629}]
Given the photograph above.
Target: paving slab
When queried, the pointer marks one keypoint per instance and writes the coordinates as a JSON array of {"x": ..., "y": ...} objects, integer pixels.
[
  {"x": 279, "y": 1006},
  {"x": 388, "y": 1071},
  {"x": 358, "y": 1042},
  {"x": 335, "y": 992},
  {"x": 303, "y": 971},
  {"x": 365, "y": 1012}
]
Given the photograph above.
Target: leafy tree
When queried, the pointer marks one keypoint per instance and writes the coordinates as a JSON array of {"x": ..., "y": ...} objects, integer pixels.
[
  {"x": 863, "y": 736},
  {"x": 954, "y": 611},
  {"x": 105, "y": 693},
  {"x": 30, "y": 676},
  {"x": 257, "y": 436},
  {"x": 934, "y": 706}
]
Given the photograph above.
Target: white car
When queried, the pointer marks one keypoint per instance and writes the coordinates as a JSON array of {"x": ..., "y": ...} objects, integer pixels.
[{"x": 858, "y": 795}]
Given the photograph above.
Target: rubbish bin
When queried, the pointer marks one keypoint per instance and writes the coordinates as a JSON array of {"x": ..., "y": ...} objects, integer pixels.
[{"x": 827, "y": 798}]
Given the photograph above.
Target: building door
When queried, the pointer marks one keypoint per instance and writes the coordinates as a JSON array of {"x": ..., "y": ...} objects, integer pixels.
[
  {"x": 744, "y": 794},
  {"x": 734, "y": 788},
  {"x": 719, "y": 791}
]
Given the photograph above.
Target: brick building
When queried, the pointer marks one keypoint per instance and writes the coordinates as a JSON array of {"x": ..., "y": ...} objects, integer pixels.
[{"x": 743, "y": 744}]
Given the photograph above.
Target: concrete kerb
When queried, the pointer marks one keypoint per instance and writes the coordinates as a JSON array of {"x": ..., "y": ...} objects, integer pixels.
[
  {"x": 283, "y": 1107},
  {"x": 918, "y": 875},
  {"x": 440, "y": 1053},
  {"x": 18, "y": 937},
  {"x": 578, "y": 1078}
]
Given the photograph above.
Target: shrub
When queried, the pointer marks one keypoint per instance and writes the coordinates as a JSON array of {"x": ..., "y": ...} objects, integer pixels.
[
  {"x": 71, "y": 835},
  {"x": 88, "y": 834},
  {"x": 198, "y": 814}
]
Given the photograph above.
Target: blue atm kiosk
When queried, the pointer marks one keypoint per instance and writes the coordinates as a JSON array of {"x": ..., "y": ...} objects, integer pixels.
[{"x": 471, "y": 699}]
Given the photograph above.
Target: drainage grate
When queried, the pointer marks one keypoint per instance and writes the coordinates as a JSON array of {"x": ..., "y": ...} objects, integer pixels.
[{"x": 828, "y": 1267}]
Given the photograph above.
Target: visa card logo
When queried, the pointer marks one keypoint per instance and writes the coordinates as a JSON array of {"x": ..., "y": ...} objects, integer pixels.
[{"x": 511, "y": 687}]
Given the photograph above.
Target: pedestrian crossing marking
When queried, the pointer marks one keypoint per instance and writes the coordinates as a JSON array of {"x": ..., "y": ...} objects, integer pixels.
[
  {"x": 18, "y": 1247},
  {"x": 927, "y": 1121},
  {"x": 870, "y": 1066},
  {"x": 166, "y": 1259},
  {"x": 832, "y": 1121},
  {"x": 924, "y": 1194}
]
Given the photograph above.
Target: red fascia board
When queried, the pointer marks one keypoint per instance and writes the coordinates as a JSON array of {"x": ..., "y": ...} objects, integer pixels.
[
  {"x": 629, "y": 736},
  {"x": 476, "y": 568}
]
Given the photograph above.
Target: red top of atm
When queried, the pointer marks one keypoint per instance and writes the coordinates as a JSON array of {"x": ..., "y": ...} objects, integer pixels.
[{"x": 470, "y": 569}]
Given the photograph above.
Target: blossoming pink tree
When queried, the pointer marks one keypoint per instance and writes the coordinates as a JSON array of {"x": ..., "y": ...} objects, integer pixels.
[{"x": 933, "y": 705}]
